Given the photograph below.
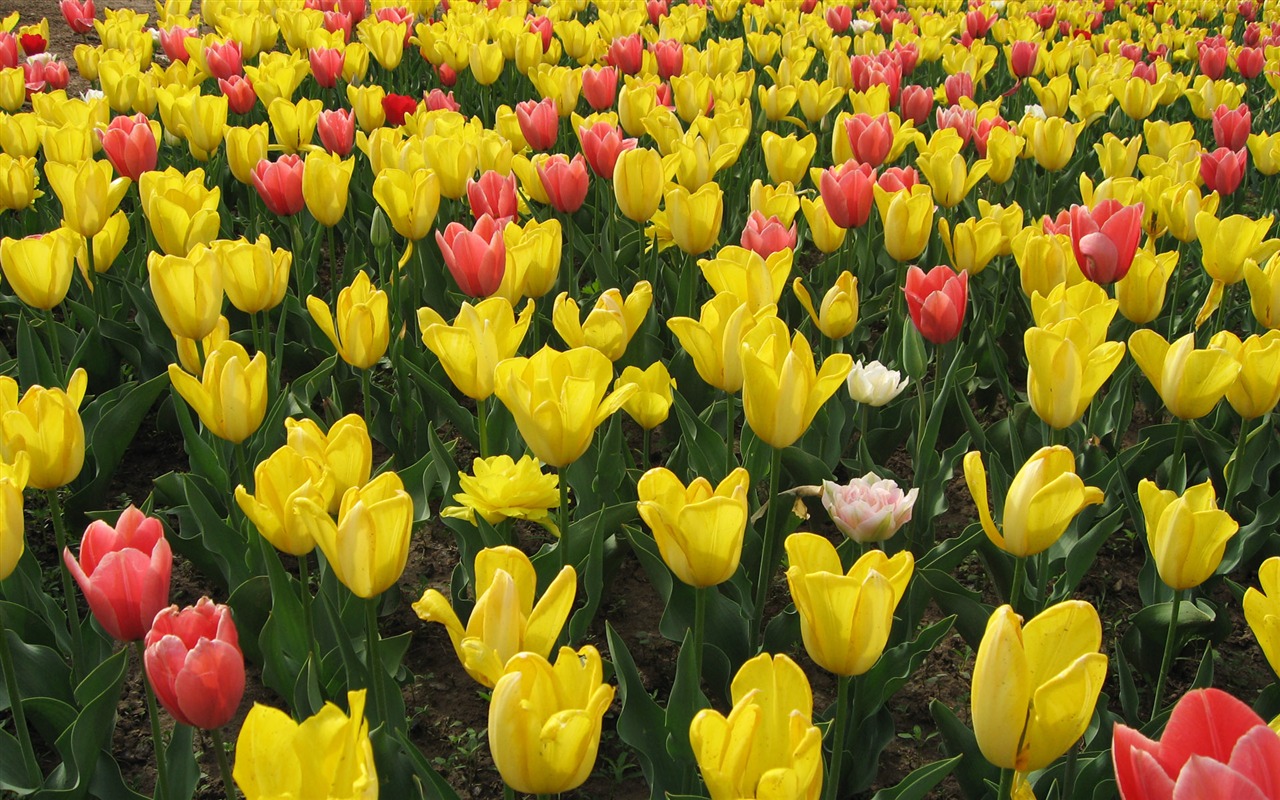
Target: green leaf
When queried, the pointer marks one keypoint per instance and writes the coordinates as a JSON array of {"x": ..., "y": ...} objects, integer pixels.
[
  {"x": 918, "y": 784},
  {"x": 180, "y": 763},
  {"x": 700, "y": 446},
  {"x": 438, "y": 786},
  {"x": 110, "y": 422},
  {"x": 81, "y": 741},
  {"x": 895, "y": 667},
  {"x": 642, "y": 722},
  {"x": 970, "y": 613},
  {"x": 973, "y": 771}
]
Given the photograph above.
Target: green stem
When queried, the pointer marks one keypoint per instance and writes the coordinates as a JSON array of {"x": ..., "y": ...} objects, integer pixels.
[
  {"x": 1005, "y": 792},
  {"x": 729, "y": 461},
  {"x": 482, "y": 425},
  {"x": 1166, "y": 661},
  {"x": 768, "y": 550},
  {"x": 508, "y": 793},
  {"x": 864, "y": 451},
  {"x": 645, "y": 443},
  {"x": 68, "y": 585},
  {"x": 837, "y": 738},
  {"x": 366, "y": 395},
  {"x": 304, "y": 579},
  {"x": 699, "y": 627},
  {"x": 1069, "y": 773},
  {"x": 153, "y": 711},
  {"x": 563, "y": 547},
  {"x": 333, "y": 267},
  {"x": 1237, "y": 459},
  {"x": 224, "y": 768},
  {"x": 34, "y": 776},
  {"x": 1178, "y": 461},
  {"x": 371, "y": 659},
  {"x": 1019, "y": 580},
  {"x": 92, "y": 276},
  {"x": 55, "y": 347}
]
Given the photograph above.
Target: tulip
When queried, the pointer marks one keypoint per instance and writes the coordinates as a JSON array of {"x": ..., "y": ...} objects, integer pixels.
[
  {"x": 533, "y": 257},
  {"x": 868, "y": 509},
  {"x": 826, "y": 235},
  {"x": 695, "y": 217},
  {"x": 1053, "y": 142},
  {"x": 1231, "y": 127},
  {"x": 279, "y": 184},
  {"x": 476, "y": 258},
  {"x": 873, "y": 384},
  {"x": 757, "y": 279},
  {"x": 254, "y": 275},
  {"x": 937, "y": 301},
  {"x": 194, "y": 663},
  {"x": 187, "y": 291},
  {"x": 363, "y": 329},
  {"x": 245, "y": 147},
  {"x": 239, "y": 94},
  {"x": 87, "y": 193},
  {"x": 782, "y": 389},
  {"x": 409, "y": 199},
  {"x": 714, "y": 340},
  {"x": 326, "y": 65},
  {"x": 908, "y": 220},
  {"x": 1187, "y": 535},
  {"x": 539, "y": 122},
  {"x": 385, "y": 40},
  {"x": 500, "y": 488},
  {"x": 870, "y": 138},
  {"x": 1223, "y": 169},
  {"x": 1035, "y": 686},
  {"x": 1105, "y": 238},
  {"x": 551, "y": 719},
  {"x": 18, "y": 182},
  {"x": 1256, "y": 389},
  {"x": 231, "y": 395},
  {"x": 327, "y": 755},
  {"x": 767, "y": 747},
  {"x": 45, "y": 425},
  {"x": 505, "y": 620},
  {"x": 223, "y": 59},
  {"x": 839, "y": 311},
  {"x": 848, "y": 193},
  {"x": 494, "y": 194},
  {"x": 949, "y": 175},
  {"x": 638, "y": 181},
  {"x": 123, "y": 573},
  {"x": 13, "y": 480},
  {"x": 78, "y": 14},
  {"x": 294, "y": 123},
  {"x": 786, "y": 158},
  {"x": 611, "y": 323},
  {"x": 1189, "y": 381},
  {"x": 1264, "y": 291},
  {"x": 600, "y": 86},
  {"x": 130, "y": 145},
  {"x": 651, "y": 403},
  {"x": 368, "y": 546},
  {"x": 565, "y": 182},
  {"x": 280, "y": 481},
  {"x": 1141, "y": 293},
  {"x": 39, "y": 268},
  {"x": 201, "y": 120},
  {"x": 1229, "y": 242},
  {"x": 1212, "y": 744},
  {"x": 698, "y": 529},
  {"x": 1260, "y": 610},
  {"x": 766, "y": 236},
  {"x": 559, "y": 399},
  {"x": 480, "y": 337},
  {"x": 180, "y": 211},
  {"x": 337, "y": 129},
  {"x": 345, "y": 450},
  {"x": 325, "y": 184},
  {"x": 602, "y": 144}
]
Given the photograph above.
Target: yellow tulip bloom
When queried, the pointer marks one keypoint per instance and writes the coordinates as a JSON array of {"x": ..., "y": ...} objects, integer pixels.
[
  {"x": 280, "y": 481},
  {"x": 182, "y": 213},
  {"x": 45, "y": 425},
  {"x": 611, "y": 323},
  {"x": 698, "y": 529},
  {"x": 245, "y": 148},
  {"x": 87, "y": 192},
  {"x": 13, "y": 480},
  {"x": 638, "y": 181},
  {"x": 18, "y": 181},
  {"x": 231, "y": 395},
  {"x": 501, "y": 488},
  {"x": 787, "y": 158},
  {"x": 1141, "y": 293},
  {"x": 254, "y": 275},
  {"x": 748, "y": 275},
  {"x": 907, "y": 217},
  {"x": 1189, "y": 381},
  {"x": 714, "y": 340},
  {"x": 410, "y": 200},
  {"x": 839, "y": 311},
  {"x": 39, "y": 269},
  {"x": 1261, "y": 611},
  {"x": 187, "y": 291},
  {"x": 1066, "y": 369},
  {"x": 651, "y": 403},
  {"x": 782, "y": 389},
  {"x": 480, "y": 337},
  {"x": 326, "y": 179},
  {"x": 346, "y": 451},
  {"x": 1257, "y": 388},
  {"x": 1187, "y": 535},
  {"x": 695, "y": 217},
  {"x": 363, "y": 327}
]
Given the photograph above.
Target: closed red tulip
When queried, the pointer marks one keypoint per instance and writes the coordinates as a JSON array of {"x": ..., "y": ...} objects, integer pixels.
[
  {"x": 978, "y": 24},
  {"x": 657, "y": 10},
  {"x": 336, "y": 21},
  {"x": 870, "y": 138},
  {"x": 626, "y": 53},
  {"x": 600, "y": 87},
  {"x": 1022, "y": 58},
  {"x": 602, "y": 143},
  {"x": 936, "y": 301},
  {"x": 494, "y": 194},
  {"x": 33, "y": 44},
  {"x": 539, "y": 122},
  {"x": 868, "y": 71},
  {"x": 669, "y": 53},
  {"x": 476, "y": 258},
  {"x": 130, "y": 145},
  {"x": 838, "y": 18},
  {"x": 439, "y": 100},
  {"x": 543, "y": 26},
  {"x": 124, "y": 573},
  {"x": 1105, "y": 238},
  {"x": 79, "y": 15},
  {"x": 446, "y": 74},
  {"x": 1213, "y": 746},
  {"x": 1250, "y": 62},
  {"x": 565, "y": 181},
  {"x": 957, "y": 86},
  {"x": 897, "y": 179},
  {"x": 337, "y": 129},
  {"x": 1223, "y": 169},
  {"x": 279, "y": 184},
  {"x": 173, "y": 42},
  {"x": 848, "y": 192},
  {"x": 8, "y": 50},
  {"x": 224, "y": 59},
  {"x": 1213, "y": 60},
  {"x": 239, "y": 93},
  {"x": 917, "y": 103},
  {"x": 194, "y": 663},
  {"x": 353, "y": 8},
  {"x": 1231, "y": 128},
  {"x": 326, "y": 65},
  {"x": 56, "y": 75},
  {"x": 767, "y": 235},
  {"x": 959, "y": 120},
  {"x": 398, "y": 106}
]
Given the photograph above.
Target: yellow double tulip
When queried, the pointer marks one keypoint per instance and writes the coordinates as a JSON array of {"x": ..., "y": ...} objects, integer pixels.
[
  {"x": 480, "y": 337},
  {"x": 1187, "y": 534},
  {"x": 698, "y": 529},
  {"x": 231, "y": 395},
  {"x": 782, "y": 389},
  {"x": 45, "y": 424},
  {"x": 368, "y": 546},
  {"x": 501, "y": 488}
]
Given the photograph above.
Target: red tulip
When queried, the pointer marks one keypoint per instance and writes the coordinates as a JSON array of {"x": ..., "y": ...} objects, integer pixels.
[
  {"x": 958, "y": 86},
  {"x": 838, "y": 18},
  {"x": 908, "y": 56},
  {"x": 397, "y": 107},
  {"x": 600, "y": 87},
  {"x": 868, "y": 71},
  {"x": 476, "y": 258},
  {"x": 978, "y": 24},
  {"x": 1213, "y": 746},
  {"x": 326, "y": 65},
  {"x": 870, "y": 138},
  {"x": 335, "y": 21},
  {"x": 173, "y": 41},
  {"x": 982, "y": 132},
  {"x": 279, "y": 184},
  {"x": 936, "y": 301},
  {"x": 848, "y": 192},
  {"x": 1105, "y": 238},
  {"x": 1023, "y": 56},
  {"x": 130, "y": 145},
  {"x": 896, "y": 179},
  {"x": 33, "y": 44},
  {"x": 124, "y": 573},
  {"x": 1223, "y": 169},
  {"x": 494, "y": 194},
  {"x": 447, "y": 75},
  {"x": 1213, "y": 60},
  {"x": 79, "y": 15},
  {"x": 565, "y": 181},
  {"x": 194, "y": 663},
  {"x": 337, "y": 129},
  {"x": 1247, "y": 9},
  {"x": 959, "y": 120},
  {"x": 669, "y": 53},
  {"x": 437, "y": 100},
  {"x": 8, "y": 50},
  {"x": 1046, "y": 17},
  {"x": 602, "y": 143},
  {"x": 352, "y": 8},
  {"x": 767, "y": 235},
  {"x": 1231, "y": 128},
  {"x": 539, "y": 122},
  {"x": 657, "y": 10},
  {"x": 224, "y": 59},
  {"x": 917, "y": 102},
  {"x": 543, "y": 26},
  {"x": 56, "y": 75},
  {"x": 239, "y": 93},
  {"x": 1249, "y": 62},
  {"x": 626, "y": 53}
]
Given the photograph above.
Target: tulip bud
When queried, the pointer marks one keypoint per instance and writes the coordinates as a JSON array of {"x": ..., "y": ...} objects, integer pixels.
[
  {"x": 379, "y": 230},
  {"x": 45, "y": 425},
  {"x": 194, "y": 663},
  {"x": 123, "y": 573}
]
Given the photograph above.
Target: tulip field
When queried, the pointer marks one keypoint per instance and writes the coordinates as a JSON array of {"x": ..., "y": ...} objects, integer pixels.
[{"x": 727, "y": 399}]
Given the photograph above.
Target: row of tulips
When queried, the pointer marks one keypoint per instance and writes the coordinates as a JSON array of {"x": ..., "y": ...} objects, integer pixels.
[{"x": 669, "y": 254}]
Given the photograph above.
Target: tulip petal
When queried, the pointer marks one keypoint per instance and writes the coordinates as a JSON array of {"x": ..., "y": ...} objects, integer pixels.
[{"x": 1205, "y": 779}]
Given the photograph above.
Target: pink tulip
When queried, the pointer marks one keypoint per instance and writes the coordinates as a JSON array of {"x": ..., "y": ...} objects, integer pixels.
[
  {"x": 124, "y": 573},
  {"x": 767, "y": 235},
  {"x": 600, "y": 87},
  {"x": 476, "y": 258},
  {"x": 130, "y": 145},
  {"x": 1105, "y": 238},
  {"x": 79, "y": 15},
  {"x": 1223, "y": 169},
  {"x": 539, "y": 122},
  {"x": 279, "y": 184},
  {"x": 326, "y": 65},
  {"x": 868, "y": 509},
  {"x": 602, "y": 143},
  {"x": 494, "y": 194},
  {"x": 848, "y": 192},
  {"x": 194, "y": 663},
  {"x": 565, "y": 181},
  {"x": 936, "y": 301},
  {"x": 224, "y": 59},
  {"x": 337, "y": 129}
]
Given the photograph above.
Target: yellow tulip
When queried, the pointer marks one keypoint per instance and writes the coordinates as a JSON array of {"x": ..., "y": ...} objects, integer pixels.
[
  {"x": 202, "y": 121},
  {"x": 385, "y": 40},
  {"x": 190, "y": 358},
  {"x": 280, "y": 481},
  {"x": 1187, "y": 535},
  {"x": 1141, "y": 293},
  {"x": 505, "y": 620},
  {"x": 1117, "y": 158},
  {"x": 1035, "y": 686},
  {"x": 1136, "y": 97},
  {"x": 638, "y": 181},
  {"x": 366, "y": 101},
  {"x": 346, "y": 450},
  {"x": 501, "y": 488},
  {"x": 651, "y": 403},
  {"x": 254, "y": 275},
  {"x": 368, "y": 546},
  {"x": 107, "y": 245},
  {"x": 907, "y": 217},
  {"x": 748, "y": 275},
  {"x": 559, "y": 399},
  {"x": 1004, "y": 147},
  {"x": 1189, "y": 381},
  {"x": 1264, "y": 291},
  {"x": 187, "y": 291},
  {"x": 39, "y": 268},
  {"x": 971, "y": 244},
  {"x": 18, "y": 181},
  {"x": 695, "y": 217},
  {"x": 1257, "y": 388},
  {"x": 294, "y": 124},
  {"x": 182, "y": 213},
  {"x": 1066, "y": 368},
  {"x": 245, "y": 148},
  {"x": 714, "y": 340},
  {"x": 839, "y": 311},
  {"x": 845, "y": 616},
  {"x": 1045, "y": 261},
  {"x": 327, "y": 755},
  {"x": 66, "y": 145},
  {"x": 410, "y": 200},
  {"x": 1261, "y": 610},
  {"x": 45, "y": 425},
  {"x": 698, "y": 529},
  {"x": 231, "y": 395},
  {"x": 486, "y": 62},
  {"x": 363, "y": 327},
  {"x": 87, "y": 192},
  {"x": 611, "y": 323},
  {"x": 787, "y": 159},
  {"x": 326, "y": 179},
  {"x": 480, "y": 337},
  {"x": 20, "y": 135},
  {"x": 827, "y": 236},
  {"x": 1053, "y": 142},
  {"x": 550, "y": 718},
  {"x": 13, "y": 480},
  {"x": 950, "y": 177},
  {"x": 782, "y": 390},
  {"x": 533, "y": 258}
]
